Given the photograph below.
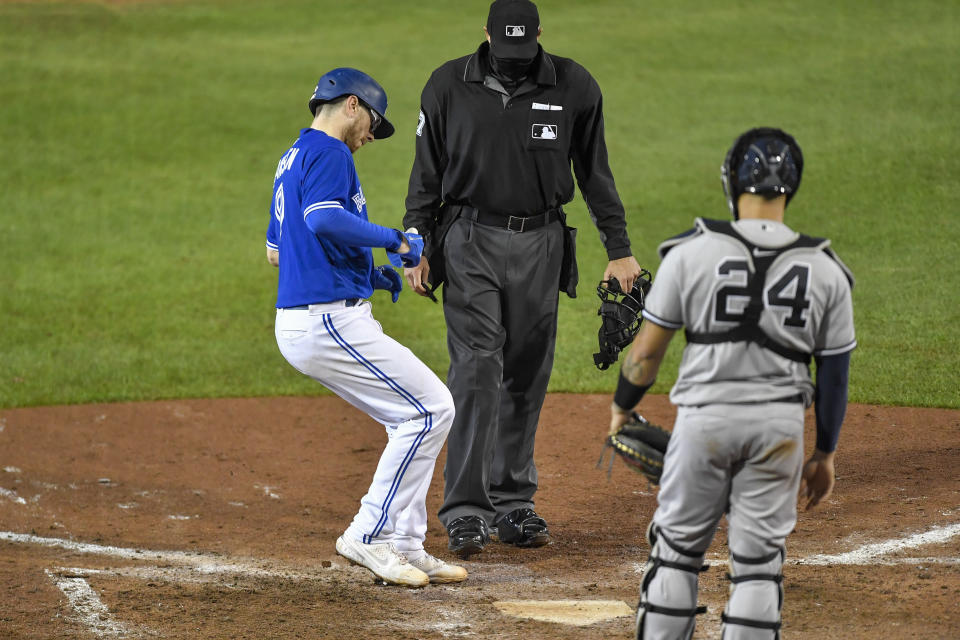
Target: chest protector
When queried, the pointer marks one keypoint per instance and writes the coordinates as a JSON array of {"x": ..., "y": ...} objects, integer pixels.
[{"x": 749, "y": 328}]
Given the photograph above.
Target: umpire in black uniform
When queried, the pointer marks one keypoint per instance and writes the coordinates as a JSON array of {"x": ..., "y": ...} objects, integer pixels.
[{"x": 497, "y": 133}]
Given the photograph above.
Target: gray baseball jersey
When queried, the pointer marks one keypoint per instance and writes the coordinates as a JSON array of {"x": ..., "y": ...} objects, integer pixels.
[{"x": 807, "y": 308}]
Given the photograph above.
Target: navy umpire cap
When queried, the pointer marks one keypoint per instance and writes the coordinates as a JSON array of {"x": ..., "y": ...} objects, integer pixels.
[
  {"x": 513, "y": 26},
  {"x": 345, "y": 81}
]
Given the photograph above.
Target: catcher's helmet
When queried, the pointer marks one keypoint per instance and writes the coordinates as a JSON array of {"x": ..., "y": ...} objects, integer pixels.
[
  {"x": 353, "y": 82},
  {"x": 764, "y": 161}
]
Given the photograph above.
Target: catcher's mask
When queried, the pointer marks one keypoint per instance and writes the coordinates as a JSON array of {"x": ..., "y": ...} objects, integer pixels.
[
  {"x": 620, "y": 317},
  {"x": 764, "y": 161}
]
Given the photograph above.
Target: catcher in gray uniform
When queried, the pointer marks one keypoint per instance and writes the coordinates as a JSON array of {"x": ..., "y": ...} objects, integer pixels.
[{"x": 757, "y": 301}]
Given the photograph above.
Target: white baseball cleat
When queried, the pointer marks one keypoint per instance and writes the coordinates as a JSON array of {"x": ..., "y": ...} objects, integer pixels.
[
  {"x": 384, "y": 561},
  {"x": 439, "y": 571}
]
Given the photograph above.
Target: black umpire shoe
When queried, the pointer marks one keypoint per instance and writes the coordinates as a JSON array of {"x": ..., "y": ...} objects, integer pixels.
[
  {"x": 523, "y": 528},
  {"x": 468, "y": 535}
]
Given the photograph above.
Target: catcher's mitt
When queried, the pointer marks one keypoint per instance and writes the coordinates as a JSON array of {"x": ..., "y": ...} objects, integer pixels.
[{"x": 641, "y": 444}]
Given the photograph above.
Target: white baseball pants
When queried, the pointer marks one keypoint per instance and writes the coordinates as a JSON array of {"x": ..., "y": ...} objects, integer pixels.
[
  {"x": 345, "y": 349},
  {"x": 743, "y": 461}
]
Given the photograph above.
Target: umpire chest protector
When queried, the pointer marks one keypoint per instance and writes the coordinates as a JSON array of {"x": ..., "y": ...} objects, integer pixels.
[{"x": 759, "y": 260}]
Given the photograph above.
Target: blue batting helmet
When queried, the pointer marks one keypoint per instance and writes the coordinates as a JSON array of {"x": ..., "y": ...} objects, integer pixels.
[
  {"x": 764, "y": 161},
  {"x": 353, "y": 82}
]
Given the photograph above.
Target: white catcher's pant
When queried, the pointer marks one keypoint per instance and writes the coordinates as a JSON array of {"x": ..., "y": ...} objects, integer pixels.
[{"x": 345, "y": 349}]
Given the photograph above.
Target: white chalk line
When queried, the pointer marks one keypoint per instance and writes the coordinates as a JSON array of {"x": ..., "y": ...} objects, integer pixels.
[
  {"x": 202, "y": 567},
  {"x": 206, "y": 563},
  {"x": 868, "y": 554},
  {"x": 202, "y": 563},
  {"x": 12, "y": 495},
  {"x": 90, "y": 611},
  {"x": 87, "y": 607},
  {"x": 172, "y": 575}
]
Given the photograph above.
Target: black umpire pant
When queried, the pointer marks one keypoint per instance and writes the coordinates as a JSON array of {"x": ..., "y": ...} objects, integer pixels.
[{"x": 500, "y": 304}]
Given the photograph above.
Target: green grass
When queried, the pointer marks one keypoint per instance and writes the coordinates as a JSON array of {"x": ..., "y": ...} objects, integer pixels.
[{"x": 139, "y": 143}]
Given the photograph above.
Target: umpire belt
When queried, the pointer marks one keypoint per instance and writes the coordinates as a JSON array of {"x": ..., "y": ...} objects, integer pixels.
[{"x": 512, "y": 223}]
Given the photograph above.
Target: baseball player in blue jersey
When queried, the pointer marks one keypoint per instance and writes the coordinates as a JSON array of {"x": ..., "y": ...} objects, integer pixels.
[
  {"x": 321, "y": 239},
  {"x": 757, "y": 301}
]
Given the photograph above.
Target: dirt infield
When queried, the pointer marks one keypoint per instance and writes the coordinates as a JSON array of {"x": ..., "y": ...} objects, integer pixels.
[{"x": 216, "y": 519}]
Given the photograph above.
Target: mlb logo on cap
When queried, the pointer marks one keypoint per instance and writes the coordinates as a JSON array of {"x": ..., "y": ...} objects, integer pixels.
[{"x": 513, "y": 27}]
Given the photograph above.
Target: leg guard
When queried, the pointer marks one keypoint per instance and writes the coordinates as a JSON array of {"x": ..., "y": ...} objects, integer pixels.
[
  {"x": 756, "y": 597},
  {"x": 668, "y": 594}
]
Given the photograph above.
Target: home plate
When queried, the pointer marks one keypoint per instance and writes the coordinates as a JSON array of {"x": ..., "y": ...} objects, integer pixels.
[{"x": 576, "y": 612}]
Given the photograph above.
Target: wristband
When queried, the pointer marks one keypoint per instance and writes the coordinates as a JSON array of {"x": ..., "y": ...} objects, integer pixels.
[
  {"x": 399, "y": 237},
  {"x": 628, "y": 395}
]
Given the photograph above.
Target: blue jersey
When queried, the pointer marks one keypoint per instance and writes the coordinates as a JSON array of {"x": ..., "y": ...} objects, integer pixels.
[{"x": 318, "y": 223}]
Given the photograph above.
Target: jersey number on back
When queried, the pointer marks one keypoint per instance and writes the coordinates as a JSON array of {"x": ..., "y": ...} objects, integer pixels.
[{"x": 789, "y": 291}]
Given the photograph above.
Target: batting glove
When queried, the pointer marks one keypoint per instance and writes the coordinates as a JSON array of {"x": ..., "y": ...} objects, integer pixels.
[
  {"x": 384, "y": 277},
  {"x": 412, "y": 258}
]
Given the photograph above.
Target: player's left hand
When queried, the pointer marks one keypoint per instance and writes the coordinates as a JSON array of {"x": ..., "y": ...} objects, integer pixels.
[
  {"x": 641, "y": 444},
  {"x": 625, "y": 270},
  {"x": 618, "y": 417},
  {"x": 413, "y": 243},
  {"x": 384, "y": 277}
]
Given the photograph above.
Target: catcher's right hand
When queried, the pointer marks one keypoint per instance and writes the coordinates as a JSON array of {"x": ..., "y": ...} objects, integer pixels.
[{"x": 641, "y": 445}]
